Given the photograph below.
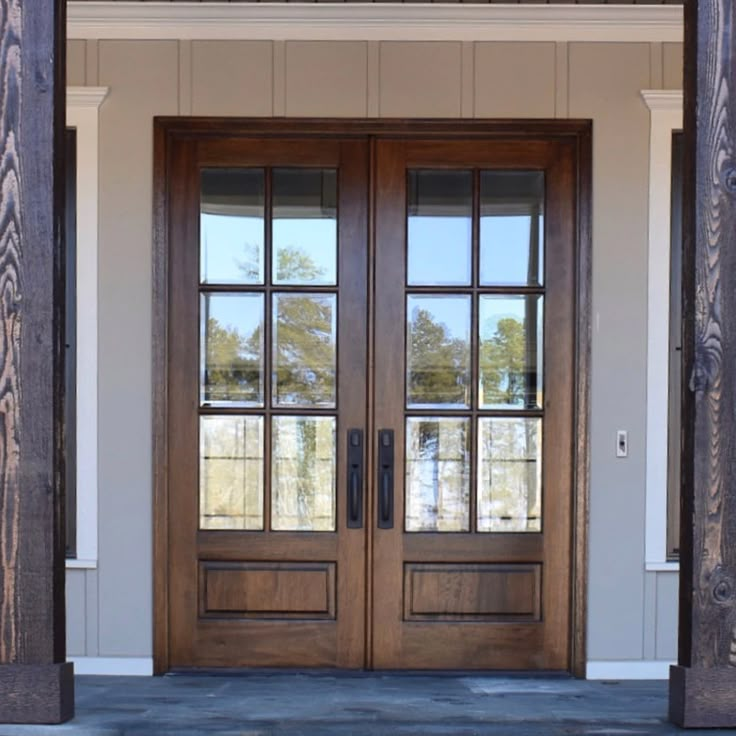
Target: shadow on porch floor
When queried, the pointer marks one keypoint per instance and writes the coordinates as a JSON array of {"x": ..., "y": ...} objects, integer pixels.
[{"x": 328, "y": 705}]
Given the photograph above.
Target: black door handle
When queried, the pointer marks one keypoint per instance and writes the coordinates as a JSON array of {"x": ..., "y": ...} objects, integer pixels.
[
  {"x": 386, "y": 475},
  {"x": 355, "y": 478}
]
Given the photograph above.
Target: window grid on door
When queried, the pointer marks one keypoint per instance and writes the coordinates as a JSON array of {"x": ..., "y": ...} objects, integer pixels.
[
  {"x": 268, "y": 350},
  {"x": 474, "y": 441}
]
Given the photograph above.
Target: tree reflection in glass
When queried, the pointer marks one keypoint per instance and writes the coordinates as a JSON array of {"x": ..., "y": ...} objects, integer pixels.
[
  {"x": 438, "y": 347},
  {"x": 437, "y": 474},
  {"x": 304, "y": 349},
  {"x": 231, "y": 472},
  {"x": 304, "y": 226},
  {"x": 232, "y": 226},
  {"x": 303, "y": 473},
  {"x": 510, "y": 352},
  {"x": 510, "y": 475},
  {"x": 232, "y": 349}
]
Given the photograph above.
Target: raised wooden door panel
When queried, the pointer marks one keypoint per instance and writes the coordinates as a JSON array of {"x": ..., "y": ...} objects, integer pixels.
[
  {"x": 266, "y": 379},
  {"x": 474, "y": 383}
]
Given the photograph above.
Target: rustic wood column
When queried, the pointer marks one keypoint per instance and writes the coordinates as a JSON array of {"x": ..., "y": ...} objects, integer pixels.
[
  {"x": 36, "y": 685},
  {"x": 703, "y": 684}
]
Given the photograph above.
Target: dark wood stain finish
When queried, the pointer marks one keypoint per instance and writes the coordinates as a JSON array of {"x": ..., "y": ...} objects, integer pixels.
[
  {"x": 36, "y": 685},
  {"x": 442, "y": 643},
  {"x": 181, "y": 145},
  {"x": 702, "y": 685}
]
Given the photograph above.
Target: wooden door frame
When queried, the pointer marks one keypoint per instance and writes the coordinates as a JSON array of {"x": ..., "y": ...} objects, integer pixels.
[{"x": 578, "y": 133}]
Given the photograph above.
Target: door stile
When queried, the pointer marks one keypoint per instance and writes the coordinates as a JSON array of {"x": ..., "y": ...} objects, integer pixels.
[
  {"x": 390, "y": 263},
  {"x": 352, "y": 362},
  {"x": 559, "y": 315},
  {"x": 370, "y": 410},
  {"x": 183, "y": 378}
]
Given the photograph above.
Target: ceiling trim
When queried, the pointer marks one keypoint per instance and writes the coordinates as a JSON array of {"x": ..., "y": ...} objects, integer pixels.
[{"x": 373, "y": 21}]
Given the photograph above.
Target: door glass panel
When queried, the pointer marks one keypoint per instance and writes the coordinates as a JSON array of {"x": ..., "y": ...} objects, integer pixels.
[
  {"x": 510, "y": 351},
  {"x": 440, "y": 228},
  {"x": 305, "y": 226},
  {"x": 231, "y": 472},
  {"x": 232, "y": 349},
  {"x": 510, "y": 475},
  {"x": 303, "y": 473},
  {"x": 304, "y": 349},
  {"x": 438, "y": 351},
  {"x": 511, "y": 228},
  {"x": 232, "y": 226},
  {"x": 437, "y": 474}
]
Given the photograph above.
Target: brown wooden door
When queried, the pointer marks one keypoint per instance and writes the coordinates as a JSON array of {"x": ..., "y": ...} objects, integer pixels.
[
  {"x": 267, "y": 361},
  {"x": 474, "y": 378},
  {"x": 402, "y": 500}
]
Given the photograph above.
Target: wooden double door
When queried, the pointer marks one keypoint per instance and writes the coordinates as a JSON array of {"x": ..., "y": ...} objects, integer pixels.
[{"x": 370, "y": 412}]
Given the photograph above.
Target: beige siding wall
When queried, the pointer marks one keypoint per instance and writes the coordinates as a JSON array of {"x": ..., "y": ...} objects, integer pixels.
[{"x": 632, "y": 614}]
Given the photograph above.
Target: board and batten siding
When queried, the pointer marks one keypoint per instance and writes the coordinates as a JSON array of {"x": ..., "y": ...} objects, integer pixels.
[{"x": 632, "y": 612}]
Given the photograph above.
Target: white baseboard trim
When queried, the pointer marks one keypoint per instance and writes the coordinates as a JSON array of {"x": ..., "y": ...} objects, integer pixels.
[
  {"x": 630, "y": 669},
  {"x": 141, "y": 666}
]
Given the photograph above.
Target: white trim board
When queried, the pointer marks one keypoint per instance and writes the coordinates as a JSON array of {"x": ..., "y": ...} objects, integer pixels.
[
  {"x": 665, "y": 110},
  {"x": 633, "y": 669},
  {"x": 82, "y": 113},
  {"x": 374, "y": 21},
  {"x": 128, "y": 666}
]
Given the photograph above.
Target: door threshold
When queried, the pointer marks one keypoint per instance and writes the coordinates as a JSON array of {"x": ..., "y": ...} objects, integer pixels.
[{"x": 358, "y": 673}]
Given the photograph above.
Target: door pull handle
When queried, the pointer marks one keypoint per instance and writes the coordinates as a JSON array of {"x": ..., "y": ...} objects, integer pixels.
[
  {"x": 386, "y": 474},
  {"x": 355, "y": 479}
]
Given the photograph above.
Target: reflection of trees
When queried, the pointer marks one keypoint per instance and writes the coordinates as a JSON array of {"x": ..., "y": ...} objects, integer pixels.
[
  {"x": 233, "y": 370},
  {"x": 250, "y": 264},
  {"x": 304, "y": 374},
  {"x": 503, "y": 361},
  {"x": 438, "y": 363},
  {"x": 295, "y": 266},
  {"x": 231, "y": 475},
  {"x": 304, "y": 473},
  {"x": 510, "y": 493},
  {"x": 437, "y": 475},
  {"x": 304, "y": 368}
]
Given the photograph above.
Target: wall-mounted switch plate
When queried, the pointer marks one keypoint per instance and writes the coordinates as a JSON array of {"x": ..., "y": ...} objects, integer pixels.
[{"x": 622, "y": 443}]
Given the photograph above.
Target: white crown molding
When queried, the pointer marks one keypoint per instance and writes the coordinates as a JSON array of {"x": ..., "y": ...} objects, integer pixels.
[
  {"x": 373, "y": 21},
  {"x": 662, "y": 99},
  {"x": 86, "y": 96}
]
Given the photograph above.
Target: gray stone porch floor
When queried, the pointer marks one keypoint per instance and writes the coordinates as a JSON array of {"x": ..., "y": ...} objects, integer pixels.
[{"x": 328, "y": 705}]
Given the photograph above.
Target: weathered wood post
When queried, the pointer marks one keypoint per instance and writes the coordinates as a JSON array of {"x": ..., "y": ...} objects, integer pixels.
[
  {"x": 703, "y": 684},
  {"x": 36, "y": 685}
]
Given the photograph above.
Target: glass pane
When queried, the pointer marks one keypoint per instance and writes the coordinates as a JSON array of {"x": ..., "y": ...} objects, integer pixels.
[
  {"x": 304, "y": 350},
  {"x": 511, "y": 227},
  {"x": 440, "y": 228},
  {"x": 437, "y": 474},
  {"x": 510, "y": 475},
  {"x": 510, "y": 352},
  {"x": 438, "y": 352},
  {"x": 231, "y": 473},
  {"x": 305, "y": 226},
  {"x": 232, "y": 226},
  {"x": 303, "y": 474},
  {"x": 232, "y": 349}
]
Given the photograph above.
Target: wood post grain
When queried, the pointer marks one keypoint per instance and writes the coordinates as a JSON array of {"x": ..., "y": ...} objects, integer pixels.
[
  {"x": 703, "y": 685},
  {"x": 36, "y": 685}
]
